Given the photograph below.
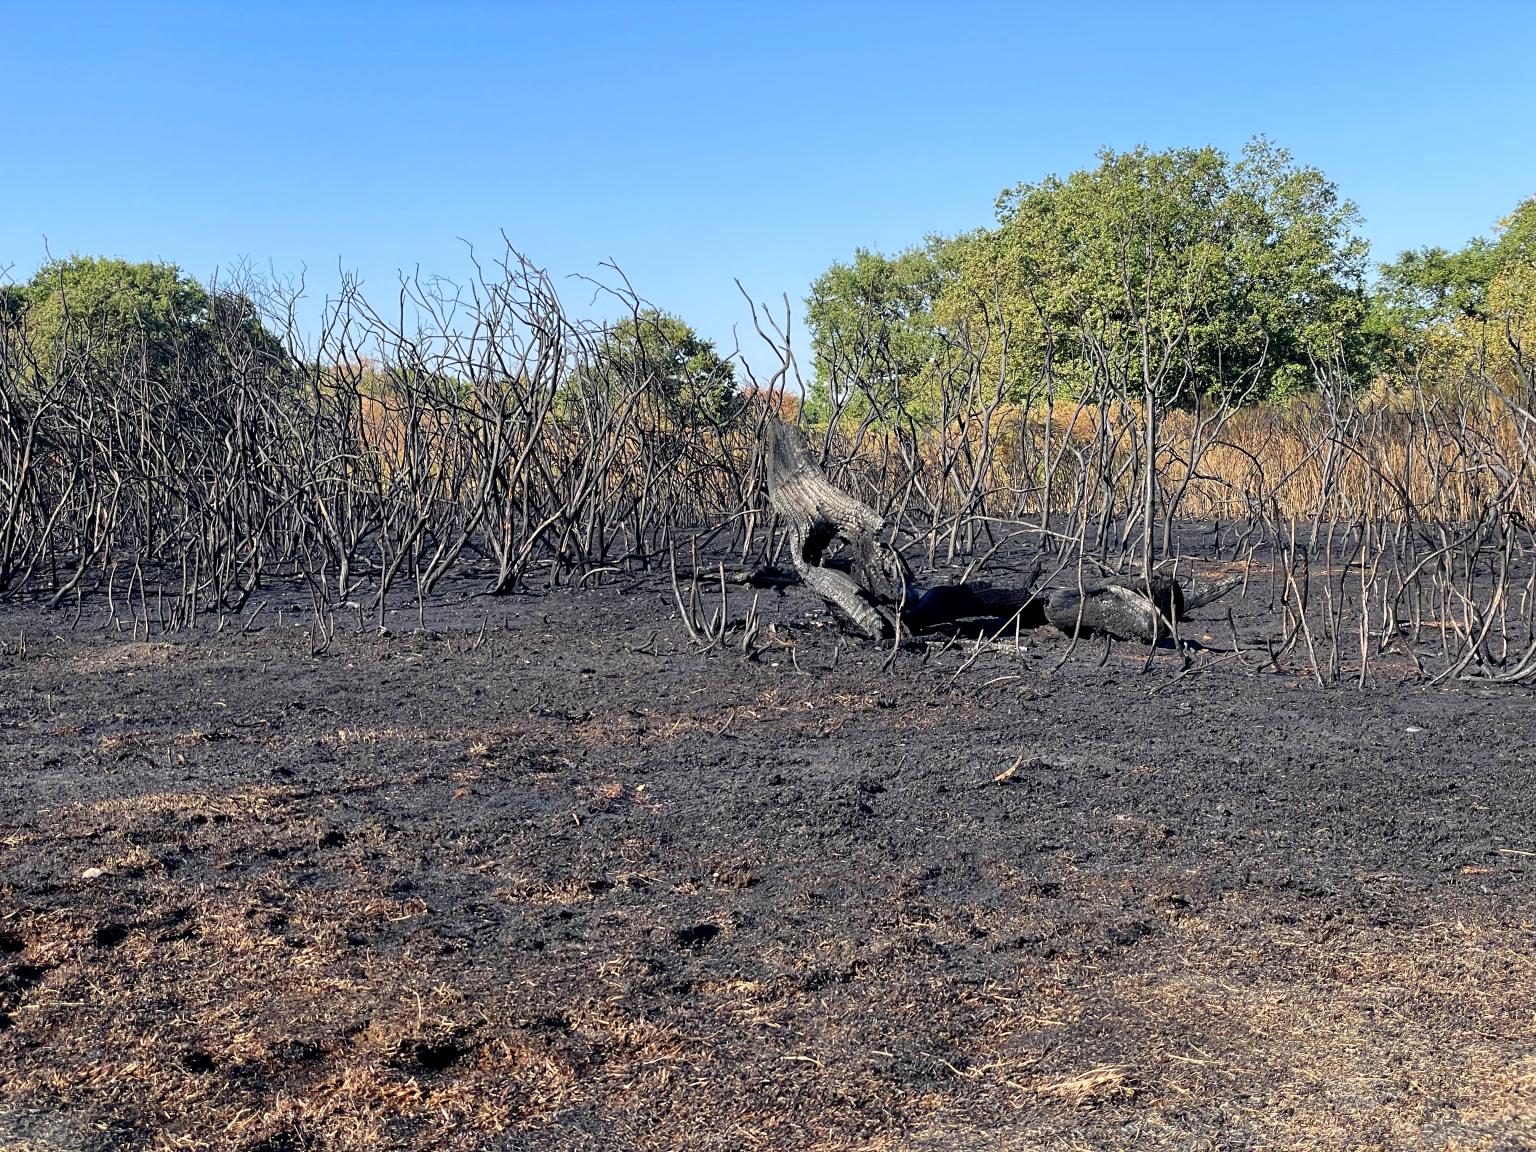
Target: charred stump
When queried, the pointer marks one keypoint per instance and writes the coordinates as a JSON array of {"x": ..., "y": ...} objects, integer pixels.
[
  {"x": 834, "y": 539},
  {"x": 837, "y": 548}
]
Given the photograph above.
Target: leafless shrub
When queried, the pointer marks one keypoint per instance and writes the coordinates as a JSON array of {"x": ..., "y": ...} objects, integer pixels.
[{"x": 480, "y": 427}]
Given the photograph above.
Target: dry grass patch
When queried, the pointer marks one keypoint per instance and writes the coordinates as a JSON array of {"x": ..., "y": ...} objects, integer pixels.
[
  {"x": 122, "y": 657},
  {"x": 1388, "y": 1037}
]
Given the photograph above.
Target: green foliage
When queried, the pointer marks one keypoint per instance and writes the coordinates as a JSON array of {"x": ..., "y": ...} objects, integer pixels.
[
  {"x": 1216, "y": 277},
  {"x": 1180, "y": 271},
  {"x": 1430, "y": 285},
  {"x": 102, "y": 314},
  {"x": 1434, "y": 309},
  {"x": 118, "y": 304},
  {"x": 662, "y": 351},
  {"x": 874, "y": 318},
  {"x": 12, "y": 303}
]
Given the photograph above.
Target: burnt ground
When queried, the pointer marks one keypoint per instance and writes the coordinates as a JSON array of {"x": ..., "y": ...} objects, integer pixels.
[{"x": 546, "y": 877}]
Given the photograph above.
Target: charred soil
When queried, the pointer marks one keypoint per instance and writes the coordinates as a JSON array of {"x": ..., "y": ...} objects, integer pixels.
[{"x": 542, "y": 875}]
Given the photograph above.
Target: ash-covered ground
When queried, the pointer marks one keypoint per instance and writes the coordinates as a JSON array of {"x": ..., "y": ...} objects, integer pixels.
[{"x": 544, "y": 876}]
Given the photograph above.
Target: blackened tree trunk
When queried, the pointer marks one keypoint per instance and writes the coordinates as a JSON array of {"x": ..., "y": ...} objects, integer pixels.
[
  {"x": 828, "y": 527},
  {"x": 837, "y": 545}
]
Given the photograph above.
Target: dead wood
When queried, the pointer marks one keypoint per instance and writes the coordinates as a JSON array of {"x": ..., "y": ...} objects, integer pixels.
[
  {"x": 838, "y": 550},
  {"x": 1205, "y": 594},
  {"x": 826, "y": 523},
  {"x": 764, "y": 576}
]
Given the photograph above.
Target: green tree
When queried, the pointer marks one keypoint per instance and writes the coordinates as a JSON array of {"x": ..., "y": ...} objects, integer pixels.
[
  {"x": 1436, "y": 313},
  {"x": 873, "y": 320},
  {"x": 100, "y": 315},
  {"x": 1216, "y": 277},
  {"x": 662, "y": 351},
  {"x": 1434, "y": 286},
  {"x": 12, "y": 303}
]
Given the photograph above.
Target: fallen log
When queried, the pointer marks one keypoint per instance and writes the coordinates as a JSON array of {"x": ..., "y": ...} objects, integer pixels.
[
  {"x": 837, "y": 549},
  {"x": 1117, "y": 606},
  {"x": 1200, "y": 596}
]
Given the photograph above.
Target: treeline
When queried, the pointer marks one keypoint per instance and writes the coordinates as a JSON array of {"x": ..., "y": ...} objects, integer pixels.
[
  {"x": 175, "y": 446},
  {"x": 1167, "y": 337},
  {"x": 1172, "y": 277}
]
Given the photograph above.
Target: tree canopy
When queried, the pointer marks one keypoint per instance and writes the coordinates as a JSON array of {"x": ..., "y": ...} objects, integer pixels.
[
  {"x": 1444, "y": 312},
  {"x": 660, "y": 347},
  {"x": 1428, "y": 285},
  {"x": 874, "y": 318},
  {"x": 1209, "y": 274},
  {"x": 97, "y": 311}
]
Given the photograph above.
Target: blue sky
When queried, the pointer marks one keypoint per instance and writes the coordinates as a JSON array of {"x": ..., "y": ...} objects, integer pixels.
[{"x": 696, "y": 143}]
